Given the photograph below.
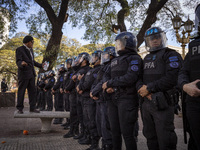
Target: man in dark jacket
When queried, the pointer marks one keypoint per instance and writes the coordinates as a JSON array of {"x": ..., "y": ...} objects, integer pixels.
[
  {"x": 26, "y": 74},
  {"x": 4, "y": 86}
]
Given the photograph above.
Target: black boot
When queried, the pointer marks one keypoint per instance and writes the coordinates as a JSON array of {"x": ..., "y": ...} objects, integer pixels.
[
  {"x": 60, "y": 120},
  {"x": 86, "y": 140},
  {"x": 69, "y": 134},
  {"x": 79, "y": 136},
  {"x": 107, "y": 147},
  {"x": 95, "y": 144},
  {"x": 55, "y": 121}
]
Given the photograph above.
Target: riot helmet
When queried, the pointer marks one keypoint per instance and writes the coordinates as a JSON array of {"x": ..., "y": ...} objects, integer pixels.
[
  {"x": 125, "y": 40},
  {"x": 80, "y": 58},
  {"x": 68, "y": 63},
  {"x": 107, "y": 53},
  {"x": 197, "y": 18},
  {"x": 47, "y": 74},
  {"x": 40, "y": 76},
  {"x": 61, "y": 67},
  {"x": 196, "y": 32},
  {"x": 155, "y": 39},
  {"x": 95, "y": 57}
]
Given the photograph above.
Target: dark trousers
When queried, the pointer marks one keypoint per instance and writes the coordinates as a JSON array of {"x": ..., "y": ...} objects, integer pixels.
[
  {"x": 49, "y": 100},
  {"x": 58, "y": 103},
  {"x": 22, "y": 86},
  {"x": 158, "y": 127},
  {"x": 90, "y": 117},
  {"x": 41, "y": 99},
  {"x": 80, "y": 112},
  {"x": 102, "y": 122},
  {"x": 73, "y": 112},
  {"x": 122, "y": 114},
  {"x": 66, "y": 101},
  {"x": 193, "y": 116}
]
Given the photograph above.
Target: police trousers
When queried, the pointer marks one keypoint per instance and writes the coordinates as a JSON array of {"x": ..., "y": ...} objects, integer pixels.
[
  {"x": 158, "y": 127},
  {"x": 123, "y": 114},
  {"x": 193, "y": 116}
]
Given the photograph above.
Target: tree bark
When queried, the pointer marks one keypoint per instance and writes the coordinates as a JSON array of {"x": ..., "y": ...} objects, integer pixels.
[{"x": 57, "y": 22}]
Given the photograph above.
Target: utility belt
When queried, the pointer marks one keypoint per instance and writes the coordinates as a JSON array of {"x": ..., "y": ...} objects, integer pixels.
[
  {"x": 124, "y": 92},
  {"x": 162, "y": 100}
]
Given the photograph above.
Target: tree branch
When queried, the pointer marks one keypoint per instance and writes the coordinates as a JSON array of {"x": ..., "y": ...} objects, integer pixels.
[
  {"x": 48, "y": 9},
  {"x": 63, "y": 10}
]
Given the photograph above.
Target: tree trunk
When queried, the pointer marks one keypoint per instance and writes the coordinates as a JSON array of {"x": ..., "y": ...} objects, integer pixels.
[{"x": 53, "y": 47}]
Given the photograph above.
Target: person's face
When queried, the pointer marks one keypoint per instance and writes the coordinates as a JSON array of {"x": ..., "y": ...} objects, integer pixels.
[
  {"x": 30, "y": 44},
  {"x": 68, "y": 65},
  {"x": 156, "y": 42}
]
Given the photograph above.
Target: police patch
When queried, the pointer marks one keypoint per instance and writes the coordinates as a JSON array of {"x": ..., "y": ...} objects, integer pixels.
[
  {"x": 52, "y": 80},
  {"x": 71, "y": 75},
  {"x": 61, "y": 79},
  {"x": 173, "y": 58},
  {"x": 174, "y": 64},
  {"x": 95, "y": 75},
  {"x": 134, "y": 62},
  {"x": 134, "y": 68}
]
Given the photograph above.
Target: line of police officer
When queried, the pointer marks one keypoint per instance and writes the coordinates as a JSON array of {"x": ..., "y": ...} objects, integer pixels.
[{"x": 104, "y": 100}]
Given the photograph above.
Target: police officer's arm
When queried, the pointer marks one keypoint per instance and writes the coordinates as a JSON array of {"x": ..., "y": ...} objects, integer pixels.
[
  {"x": 58, "y": 83},
  {"x": 88, "y": 81},
  {"x": 130, "y": 77},
  {"x": 168, "y": 81},
  {"x": 183, "y": 76},
  {"x": 70, "y": 86},
  {"x": 97, "y": 88},
  {"x": 50, "y": 84}
]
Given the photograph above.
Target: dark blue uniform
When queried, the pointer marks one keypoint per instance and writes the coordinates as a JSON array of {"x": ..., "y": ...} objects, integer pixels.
[
  {"x": 89, "y": 106},
  {"x": 48, "y": 95},
  {"x": 189, "y": 73},
  {"x": 102, "y": 121},
  {"x": 123, "y": 108},
  {"x": 160, "y": 74}
]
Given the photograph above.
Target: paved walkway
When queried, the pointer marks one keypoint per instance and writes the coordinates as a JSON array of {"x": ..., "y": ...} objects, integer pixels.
[{"x": 11, "y": 131}]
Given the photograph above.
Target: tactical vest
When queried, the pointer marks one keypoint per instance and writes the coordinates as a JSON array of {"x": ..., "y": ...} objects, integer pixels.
[
  {"x": 154, "y": 66},
  {"x": 119, "y": 67},
  {"x": 194, "y": 50}
]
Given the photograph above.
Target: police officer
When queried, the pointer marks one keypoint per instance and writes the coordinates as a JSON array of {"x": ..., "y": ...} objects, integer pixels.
[
  {"x": 41, "y": 95},
  {"x": 67, "y": 76},
  {"x": 83, "y": 62},
  {"x": 4, "y": 86},
  {"x": 58, "y": 103},
  {"x": 160, "y": 74},
  {"x": 123, "y": 108},
  {"x": 89, "y": 105},
  {"x": 38, "y": 90},
  {"x": 49, "y": 83},
  {"x": 97, "y": 94},
  {"x": 70, "y": 87},
  {"x": 189, "y": 81}
]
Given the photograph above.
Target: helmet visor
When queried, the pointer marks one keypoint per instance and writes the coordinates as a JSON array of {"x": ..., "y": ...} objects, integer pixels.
[
  {"x": 120, "y": 45},
  {"x": 94, "y": 58},
  {"x": 105, "y": 57},
  {"x": 155, "y": 42}
]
